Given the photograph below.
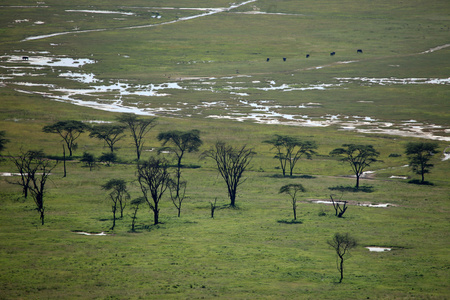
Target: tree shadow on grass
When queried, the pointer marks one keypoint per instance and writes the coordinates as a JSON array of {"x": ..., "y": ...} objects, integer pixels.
[
  {"x": 364, "y": 189},
  {"x": 419, "y": 182},
  {"x": 292, "y": 177},
  {"x": 290, "y": 222}
]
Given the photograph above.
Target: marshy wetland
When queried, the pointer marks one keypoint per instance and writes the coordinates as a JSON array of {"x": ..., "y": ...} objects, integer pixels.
[{"x": 239, "y": 72}]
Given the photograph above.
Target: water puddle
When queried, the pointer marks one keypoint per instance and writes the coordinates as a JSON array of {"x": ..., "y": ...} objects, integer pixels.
[
  {"x": 100, "y": 12},
  {"x": 207, "y": 12},
  {"x": 87, "y": 233},
  {"x": 378, "y": 249},
  {"x": 382, "y": 205}
]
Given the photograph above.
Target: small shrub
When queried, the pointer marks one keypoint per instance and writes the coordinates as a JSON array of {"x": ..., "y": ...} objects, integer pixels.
[{"x": 394, "y": 155}]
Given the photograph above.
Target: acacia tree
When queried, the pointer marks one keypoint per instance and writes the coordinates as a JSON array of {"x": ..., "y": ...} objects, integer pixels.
[
  {"x": 419, "y": 155},
  {"x": 292, "y": 190},
  {"x": 290, "y": 150},
  {"x": 118, "y": 195},
  {"x": 358, "y": 156},
  {"x": 231, "y": 163},
  {"x": 109, "y": 133},
  {"x": 180, "y": 143},
  {"x": 139, "y": 128},
  {"x": 69, "y": 131},
  {"x": 135, "y": 207},
  {"x": 153, "y": 178},
  {"x": 342, "y": 243},
  {"x": 89, "y": 160}
]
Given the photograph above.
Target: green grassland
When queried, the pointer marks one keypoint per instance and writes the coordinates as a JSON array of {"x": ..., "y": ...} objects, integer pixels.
[{"x": 253, "y": 251}]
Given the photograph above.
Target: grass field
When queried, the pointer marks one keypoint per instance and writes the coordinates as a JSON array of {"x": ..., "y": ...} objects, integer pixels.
[{"x": 210, "y": 73}]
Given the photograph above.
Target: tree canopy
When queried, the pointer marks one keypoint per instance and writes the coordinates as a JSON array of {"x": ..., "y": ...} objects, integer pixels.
[
  {"x": 69, "y": 130},
  {"x": 231, "y": 163},
  {"x": 358, "y": 156},
  {"x": 419, "y": 155},
  {"x": 290, "y": 150},
  {"x": 139, "y": 127}
]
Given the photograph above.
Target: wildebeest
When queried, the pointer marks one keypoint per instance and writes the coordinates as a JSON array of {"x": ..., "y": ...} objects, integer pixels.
[
  {"x": 24, "y": 57},
  {"x": 284, "y": 58},
  {"x": 268, "y": 59},
  {"x": 307, "y": 55},
  {"x": 332, "y": 53},
  {"x": 359, "y": 51}
]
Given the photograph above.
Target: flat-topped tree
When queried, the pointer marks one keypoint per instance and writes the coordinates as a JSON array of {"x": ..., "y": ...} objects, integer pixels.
[
  {"x": 292, "y": 190},
  {"x": 358, "y": 156},
  {"x": 179, "y": 143},
  {"x": 289, "y": 150},
  {"x": 139, "y": 127},
  {"x": 110, "y": 133},
  {"x": 69, "y": 130}
]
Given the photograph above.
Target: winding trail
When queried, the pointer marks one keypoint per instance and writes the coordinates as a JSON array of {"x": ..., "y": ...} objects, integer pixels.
[{"x": 210, "y": 12}]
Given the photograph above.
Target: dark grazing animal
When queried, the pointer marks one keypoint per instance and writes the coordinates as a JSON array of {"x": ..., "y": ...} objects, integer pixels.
[
  {"x": 359, "y": 51},
  {"x": 268, "y": 59},
  {"x": 24, "y": 57},
  {"x": 284, "y": 58},
  {"x": 307, "y": 55},
  {"x": 332, "y": 53}
]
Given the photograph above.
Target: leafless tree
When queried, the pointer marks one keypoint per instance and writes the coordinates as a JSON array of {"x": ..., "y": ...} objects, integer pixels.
[
  {"x": 135, "y": 207},
  {"x": 342, "y": 243},
  {"x": 231, "y": 163},
  {"x": 339, "y": 210}
]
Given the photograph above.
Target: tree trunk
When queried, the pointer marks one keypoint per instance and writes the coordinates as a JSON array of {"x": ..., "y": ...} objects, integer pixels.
[
  {"x": 295, "y": 212},
  {"x": 357, "y": 181},
  {"x": 64, "y": 158},
  {"x": 42, "y": 216},
  {"x": 341, "y": 268},
  {"x": 156, "y": 217},
  {"x": 114, "y": 218}
]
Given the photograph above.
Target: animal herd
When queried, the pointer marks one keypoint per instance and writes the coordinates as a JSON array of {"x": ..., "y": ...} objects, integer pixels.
[{"x": 307, "y": 55}]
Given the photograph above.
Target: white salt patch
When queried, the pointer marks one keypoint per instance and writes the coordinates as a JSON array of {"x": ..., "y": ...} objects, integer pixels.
[
  {"x": 398, "y": 177},
  {"x": 378, "y": 249},
  {"x": 100, "y": 12},
  {"x": 87, "y": 233}
]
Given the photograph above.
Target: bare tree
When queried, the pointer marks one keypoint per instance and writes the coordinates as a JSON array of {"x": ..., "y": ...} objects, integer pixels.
[
  {"x": 358, "y": 156},
  {"x": 419, "y": 154},
  {"x": 109, "y": 133},
  {"x": 290, "y": 150},
  {"x": 339, "y": 210},
  {"x": 34, "y": 171},
  {"x": 69, "y": 131},
  {"x": 342, "y": 243},
  {"x": 153, "y": 179},
  {"x": 179, "y": 143},
  {"x": 231, "y": 163},
  {"x": 24, "y": 163},
  {"x": 139, "y": 128},
  {"x": 38, "y": 175},
  {"x": 118, "y": 195},
  {"x": 292, "y": 190}
]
